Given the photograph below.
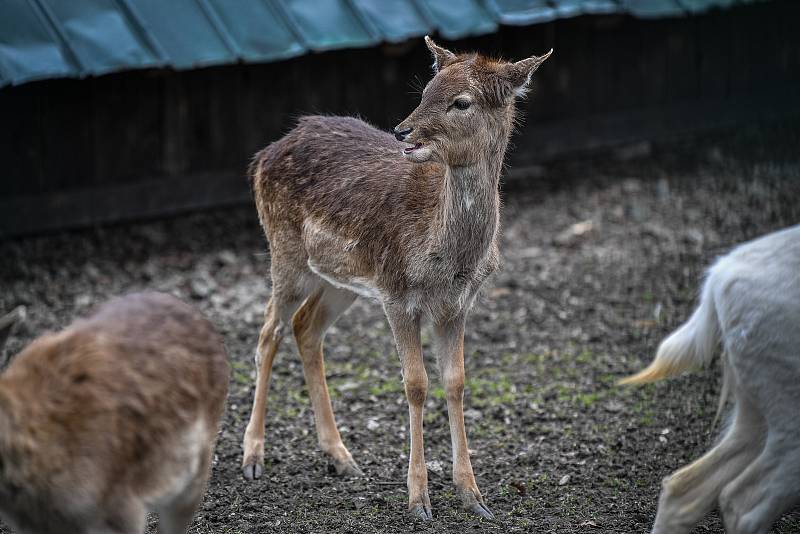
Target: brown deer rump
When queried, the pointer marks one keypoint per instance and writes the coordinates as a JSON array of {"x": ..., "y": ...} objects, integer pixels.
[
  {"x": 112, "y": 388},
  {"x": 347, "y": 170}
]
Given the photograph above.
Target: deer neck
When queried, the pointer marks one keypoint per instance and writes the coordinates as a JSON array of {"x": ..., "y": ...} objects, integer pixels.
[{"x": 470, "y": 206}]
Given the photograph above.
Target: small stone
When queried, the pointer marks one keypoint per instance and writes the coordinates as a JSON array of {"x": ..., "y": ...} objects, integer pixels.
[
  {"x": 435, "y": 466},
  {"x": 571, "y": 235},
  {"x": 227, "y": 257},
  {"x": 499, "y": 292},
  {"x": 473, "y": 414},
  {"x": 199, "y": 289},
  {"x": 563, "y": 481},
  {"x": 373, "y": 425},
  {"x": 83, "y": 300},
  {"x": 348, "y": 386},
  {"x": 530, "y": 252}
]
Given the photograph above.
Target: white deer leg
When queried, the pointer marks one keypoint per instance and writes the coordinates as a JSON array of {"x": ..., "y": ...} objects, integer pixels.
[
  {"x": 755, "y": 499},
  {"x": 449, "y": 339},
  {"x": 415, "y": 378},
  {"x": 765, "y": 490},
  {"x": 691, "y": 492}
]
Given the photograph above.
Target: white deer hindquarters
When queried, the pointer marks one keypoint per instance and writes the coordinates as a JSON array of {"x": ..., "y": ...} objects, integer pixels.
[{"x": 334, "y": 259}]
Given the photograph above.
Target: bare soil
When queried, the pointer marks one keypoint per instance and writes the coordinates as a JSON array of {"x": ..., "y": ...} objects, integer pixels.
[{"x": 602, "y": 258}]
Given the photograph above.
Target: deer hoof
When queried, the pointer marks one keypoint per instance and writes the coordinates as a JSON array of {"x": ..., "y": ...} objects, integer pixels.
[
  {"x": 421, "y": 512},
  {"x": 252, "y": 470},
  {"x": 481, "y": 510},
  {"x": 474, "y": 503},
  {"x": 344, "y": 468}
]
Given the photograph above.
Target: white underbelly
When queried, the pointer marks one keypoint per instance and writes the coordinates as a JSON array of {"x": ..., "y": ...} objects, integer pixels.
[{"x": 364, "y": 287}]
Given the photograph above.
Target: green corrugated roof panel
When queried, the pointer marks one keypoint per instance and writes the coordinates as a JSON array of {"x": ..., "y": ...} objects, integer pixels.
[
  {"x": 522, "y": 12},
  {"x": 571, "y": 8},
  {"x": 395, "y": 21},
  {"x": 327, "y": 24},
  {"x": 29, "y": 50},
  {"x": 648, "y": 9},
  {"x": 259, "y": 29},
  {"x": 699, "y": 6},
  {"x": 458, "y": 18},
  {"x": 74, "y": 38},
  {"x": 198, "y": 43},
  {"x": 100, "y": 35}
]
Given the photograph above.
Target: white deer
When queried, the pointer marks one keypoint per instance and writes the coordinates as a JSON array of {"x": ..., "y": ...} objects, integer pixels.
[{"x": 750, "y": 304}]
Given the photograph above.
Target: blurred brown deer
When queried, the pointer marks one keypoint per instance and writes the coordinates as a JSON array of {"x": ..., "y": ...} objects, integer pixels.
[
  {"x": 412, "y": 222},
  {"x": 111, "y": 418}
]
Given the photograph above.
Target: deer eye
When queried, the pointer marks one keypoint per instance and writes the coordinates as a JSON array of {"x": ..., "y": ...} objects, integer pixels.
[{"x": 461, "y": 103}]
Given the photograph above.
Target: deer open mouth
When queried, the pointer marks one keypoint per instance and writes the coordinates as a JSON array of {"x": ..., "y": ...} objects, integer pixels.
[{"x": 410, "y": 149}]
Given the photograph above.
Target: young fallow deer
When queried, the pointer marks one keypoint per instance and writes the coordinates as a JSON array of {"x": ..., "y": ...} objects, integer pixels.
[
  {"x": 750, "y": 303},
  {"x": 115, "y": 416},
  {"x": 411, "y": 222}
]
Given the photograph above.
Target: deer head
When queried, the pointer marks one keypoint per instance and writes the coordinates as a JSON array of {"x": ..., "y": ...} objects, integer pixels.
[{"x": 468, "y": 103}]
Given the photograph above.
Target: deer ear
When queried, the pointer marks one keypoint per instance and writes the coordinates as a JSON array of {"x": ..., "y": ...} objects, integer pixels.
[
  {"x": 441, "y": 56},
  {"x": 519, "y": 73}
]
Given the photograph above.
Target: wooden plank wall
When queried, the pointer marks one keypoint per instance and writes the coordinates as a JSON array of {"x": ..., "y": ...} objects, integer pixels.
[{"x": 151, "y": 143}]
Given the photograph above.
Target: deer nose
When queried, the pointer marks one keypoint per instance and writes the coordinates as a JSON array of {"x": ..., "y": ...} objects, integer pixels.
[{"x": 401, "y": 134}]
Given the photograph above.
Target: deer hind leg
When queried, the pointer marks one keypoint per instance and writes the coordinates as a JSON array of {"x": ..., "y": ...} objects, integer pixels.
[
  {"x": 407, "y": 337},
  {"x": 764, "y": 491},
  {"x": 769, "y": 486},
  {"x": 125, "y": 513},
  {"x": 312, "y": 319},
  {"x": 691, "y": 492},
  {"x": 278, "y": 314},
  {"x": 176, "y": 516},
  {"x": 449, "y": 340}
]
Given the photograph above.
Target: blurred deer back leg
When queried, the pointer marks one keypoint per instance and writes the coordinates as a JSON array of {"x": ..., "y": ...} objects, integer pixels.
[
  {"x": 310, "y": 322},
  {"x": 176, "y": 516},
  {"x": 128, "y": 516}
]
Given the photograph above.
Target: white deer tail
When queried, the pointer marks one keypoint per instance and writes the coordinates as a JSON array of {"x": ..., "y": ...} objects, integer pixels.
[{"x": 692, "y": 345}]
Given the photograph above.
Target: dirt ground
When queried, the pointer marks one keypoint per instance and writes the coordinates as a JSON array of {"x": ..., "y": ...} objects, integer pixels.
[{"x": 602, "y": 257}]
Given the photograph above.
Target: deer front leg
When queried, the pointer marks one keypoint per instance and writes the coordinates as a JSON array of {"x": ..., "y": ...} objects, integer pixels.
[
  {"x": 449, "y": 341},
  {"x": 415, "y": 379}
]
